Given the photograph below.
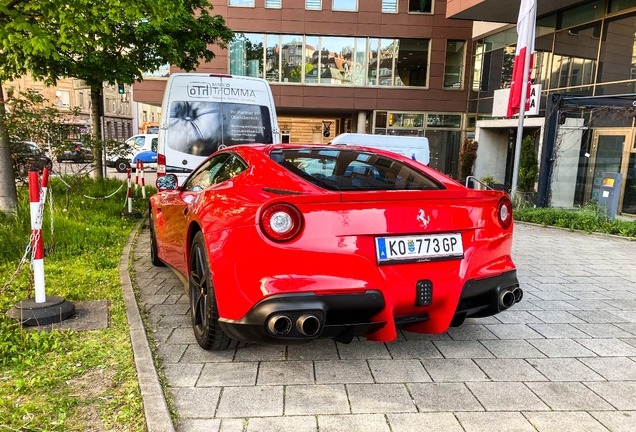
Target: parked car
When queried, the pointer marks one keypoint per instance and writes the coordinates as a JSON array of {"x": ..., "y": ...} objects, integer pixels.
[
  {"x": 78, "y": 153},
  {"x": 288, "y": 243},
  {"x": 138, "y": 147},
  {"x": 27, "y": 154}
]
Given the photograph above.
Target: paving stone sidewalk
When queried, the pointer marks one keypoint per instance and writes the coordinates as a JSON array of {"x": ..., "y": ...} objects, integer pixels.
[{"x": 563, "y": 359}]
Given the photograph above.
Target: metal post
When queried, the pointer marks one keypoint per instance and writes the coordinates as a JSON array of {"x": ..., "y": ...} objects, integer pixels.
[{"x": 522, "y": 105}]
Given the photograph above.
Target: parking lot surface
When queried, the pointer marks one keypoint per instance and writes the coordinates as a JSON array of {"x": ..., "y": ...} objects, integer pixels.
[{"x": 564, "y": 358}]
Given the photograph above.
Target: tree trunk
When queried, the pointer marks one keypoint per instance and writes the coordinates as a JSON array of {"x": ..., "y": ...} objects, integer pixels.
[
  {"x": 8, "y": 196},
  {"x": 96, "y": 130}
]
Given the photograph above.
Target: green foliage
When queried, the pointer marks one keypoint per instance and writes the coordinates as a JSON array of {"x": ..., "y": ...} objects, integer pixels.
[
  {"x": 39, "y": 371},
  {"x": 467, "y": 158},
  {"x": 528, "y": 166},
  {"x": 107, "y": 41},
  {"x": 591, "y": 219},
  {"x": 488, "y": 179}
]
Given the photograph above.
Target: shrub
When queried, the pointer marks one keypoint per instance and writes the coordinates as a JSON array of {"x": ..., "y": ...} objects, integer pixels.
[
  {"x": 590, "y": 218},
  {"x": 528, "y": 166},
  {"x": 467, "y": 158}
]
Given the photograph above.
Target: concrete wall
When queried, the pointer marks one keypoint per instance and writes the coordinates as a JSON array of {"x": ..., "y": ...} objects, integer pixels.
[
  {"x": 492, "y": 137},
  {"x": 491, "y": 153},
  {"x": 567, "y": 163}
]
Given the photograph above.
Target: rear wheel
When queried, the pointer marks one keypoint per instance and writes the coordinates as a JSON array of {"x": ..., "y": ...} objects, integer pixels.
[
  {"x": 122, "y": 165},
  {"x": 154, "y": 250},
  {"x": 203, "y": 308}
]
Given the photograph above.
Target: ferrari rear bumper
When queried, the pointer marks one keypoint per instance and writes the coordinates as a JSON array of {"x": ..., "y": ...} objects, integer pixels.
[
  {"x": 302, "y": 317},
  {"x": 485, "y": 297}
]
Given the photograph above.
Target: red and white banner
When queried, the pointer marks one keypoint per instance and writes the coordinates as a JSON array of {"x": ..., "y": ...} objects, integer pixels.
[{"x": 526, "y": 33}]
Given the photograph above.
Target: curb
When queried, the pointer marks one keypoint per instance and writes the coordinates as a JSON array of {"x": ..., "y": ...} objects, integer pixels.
[{"x": 155, "y": 406}]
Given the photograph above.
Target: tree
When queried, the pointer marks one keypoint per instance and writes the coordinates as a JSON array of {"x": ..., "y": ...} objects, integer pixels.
[
  {"x": 99, "y": 41},
  {"x": 528, "y": 166}
]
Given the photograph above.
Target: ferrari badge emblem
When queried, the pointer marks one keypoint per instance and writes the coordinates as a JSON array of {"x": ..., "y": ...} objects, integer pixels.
[{"x": 424, "y": 220}]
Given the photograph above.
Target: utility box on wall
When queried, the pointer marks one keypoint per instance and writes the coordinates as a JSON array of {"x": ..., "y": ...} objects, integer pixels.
[{"x": 610, "y": 193}]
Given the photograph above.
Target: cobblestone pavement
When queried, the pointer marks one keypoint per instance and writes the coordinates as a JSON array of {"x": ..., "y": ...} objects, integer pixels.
[{"x": 563, "y": 359}]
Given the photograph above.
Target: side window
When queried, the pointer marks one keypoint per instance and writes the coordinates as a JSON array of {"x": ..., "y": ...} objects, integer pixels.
[
  {"x": 232, "y": 167},
  {"x": 153, "y": 145},
  {"x": 203, "y": 177},
  {"x": 361, "y": 169}
]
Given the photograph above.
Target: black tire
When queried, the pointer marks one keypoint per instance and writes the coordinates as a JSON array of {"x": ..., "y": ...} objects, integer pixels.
[
  {"x": 122, "y": 165},
  {"x": 203, "y": 308},
  {"x": 154, "y": 250}
]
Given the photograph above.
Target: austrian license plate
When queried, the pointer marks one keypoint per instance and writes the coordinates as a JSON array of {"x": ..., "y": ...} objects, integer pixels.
[{"x": 419, "y": 247}]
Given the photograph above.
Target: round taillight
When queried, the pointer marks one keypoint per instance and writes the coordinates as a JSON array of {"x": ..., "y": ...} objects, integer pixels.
[
  {"x": 504, "y": 212},
  {"x": 281, "y": 222}
]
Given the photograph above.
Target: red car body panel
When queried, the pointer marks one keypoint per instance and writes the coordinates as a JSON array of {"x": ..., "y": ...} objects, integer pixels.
[{"x": 335, "y": 253}]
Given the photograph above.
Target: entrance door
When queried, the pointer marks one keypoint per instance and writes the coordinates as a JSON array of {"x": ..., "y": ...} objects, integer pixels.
[{"x": 610, "y": 153}]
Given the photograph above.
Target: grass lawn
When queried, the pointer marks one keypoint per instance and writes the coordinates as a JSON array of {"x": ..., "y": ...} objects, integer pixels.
[{"x": 65, "y": 380}]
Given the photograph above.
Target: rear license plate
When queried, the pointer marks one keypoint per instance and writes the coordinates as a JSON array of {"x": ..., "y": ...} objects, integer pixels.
[{"x": 419, "y": 247}]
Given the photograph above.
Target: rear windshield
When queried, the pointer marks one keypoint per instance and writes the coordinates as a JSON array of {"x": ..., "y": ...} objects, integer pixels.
[
  {"x": 352, "y": 170},
  {"x": 199, "y": 128}
]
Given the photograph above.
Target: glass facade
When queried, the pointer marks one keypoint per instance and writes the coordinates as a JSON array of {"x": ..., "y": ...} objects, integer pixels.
[
  {"x": 337, "y": 60},
  {"x": 443, "y": 130},
  {"x": 586, "y": 50}
]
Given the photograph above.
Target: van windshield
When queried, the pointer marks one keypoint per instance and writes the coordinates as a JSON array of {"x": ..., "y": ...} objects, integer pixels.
[
  {"x": 352, "y": 170},
  {"x": 199, "y": 128}
]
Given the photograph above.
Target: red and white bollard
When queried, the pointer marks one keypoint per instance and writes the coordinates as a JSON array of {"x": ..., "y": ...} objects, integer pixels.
[
  {"x": 37, "y": 245},
  {"x": 129, "y": 193},
  {"x": 42, "y": 310},
  {"x": 143, "y": 180},
  {"x": 137, "y": 174}
]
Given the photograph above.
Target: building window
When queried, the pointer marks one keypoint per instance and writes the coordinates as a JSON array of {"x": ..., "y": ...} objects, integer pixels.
[
  {"x": 313, "y": 4},
  {"x": 389, "y": 6},
  {"x": 443, "y": 130},
  {"x": 275, "y": 4},
  {"x": 144, "y": 116},
  {"x": 272, "y": 58},
  {"x": 345, "y": 5},
  {"x": 246, "y": 55},
  {"x": 241, "y": 3},
  {"x": 331, "y": 60},
  {"x": 63, "y": 98},
  {"x": 152, "y": 116},
  {"x": 81, "y": 99},
  {"x": 454, "y": 66},
  {"x": 107, "y": 104},
  {"x": 420, "y": 6},
  {"x": 162, "y": 72}
]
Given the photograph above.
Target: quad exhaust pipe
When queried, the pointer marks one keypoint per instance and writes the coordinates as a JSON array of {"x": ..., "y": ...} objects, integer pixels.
[
  {"x": 509, "y": 297},
  {"x": 308, "y": 325},
  {"x": 281, "y": 325}
]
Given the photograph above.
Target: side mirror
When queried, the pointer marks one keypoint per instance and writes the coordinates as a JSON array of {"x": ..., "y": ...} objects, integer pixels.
[{"x": 167, "y": 182}]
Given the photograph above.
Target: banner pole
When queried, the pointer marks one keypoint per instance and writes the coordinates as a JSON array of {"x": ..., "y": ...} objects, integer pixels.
[{"x": 522, "y": 105}]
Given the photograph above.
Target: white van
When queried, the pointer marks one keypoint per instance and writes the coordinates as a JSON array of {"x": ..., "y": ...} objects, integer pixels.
[
  {"x": 202, "y": 113},
  {"x": 415, "y": 148}
]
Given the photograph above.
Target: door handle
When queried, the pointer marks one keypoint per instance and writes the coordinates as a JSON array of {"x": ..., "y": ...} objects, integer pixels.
[{"x": 185, "y": 211}]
